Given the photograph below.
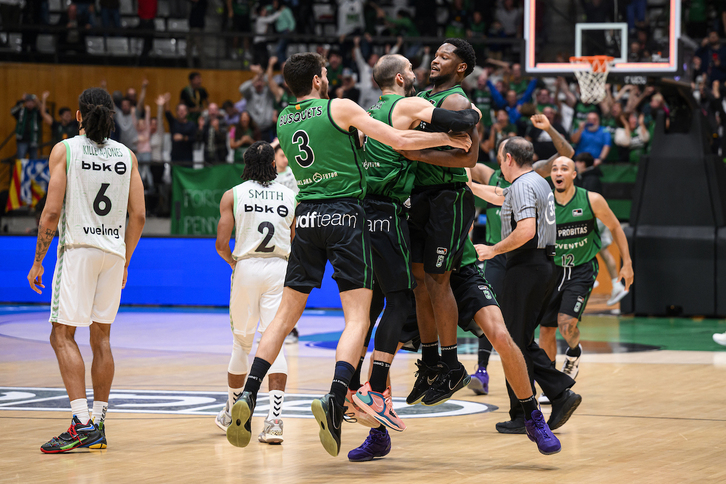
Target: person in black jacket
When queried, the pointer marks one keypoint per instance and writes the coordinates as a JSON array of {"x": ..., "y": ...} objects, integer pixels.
[
  {"x": 213, "y": 134},
  {"x": 183, "y": 133}
]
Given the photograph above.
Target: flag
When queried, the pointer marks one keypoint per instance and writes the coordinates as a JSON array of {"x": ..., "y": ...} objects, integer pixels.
[
  {"x": 14, "y": 198},
  {"x": 28, "y": 184}
]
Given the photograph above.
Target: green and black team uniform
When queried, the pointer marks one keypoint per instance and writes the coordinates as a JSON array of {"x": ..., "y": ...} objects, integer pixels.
[
  {"x": 442, "y": 207},
  {"x": 471, "y": 291},
  {"x": 330, "y": 220},
  {"x": 578, "y": 242},
  {"x": 495, "y": 267}
]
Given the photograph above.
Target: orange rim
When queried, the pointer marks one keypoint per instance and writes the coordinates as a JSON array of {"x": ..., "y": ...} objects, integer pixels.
[{"x": 598, "y": 63}]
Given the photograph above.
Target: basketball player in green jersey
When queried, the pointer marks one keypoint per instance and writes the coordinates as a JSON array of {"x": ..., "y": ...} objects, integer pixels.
[
  {"x": 578, "y": 242},
  {"x": 494, "y": 268},
  {"x": 319, "y": 137},
  {"x": 390, "y": 178},
  {"x": 442, "y": 210}
]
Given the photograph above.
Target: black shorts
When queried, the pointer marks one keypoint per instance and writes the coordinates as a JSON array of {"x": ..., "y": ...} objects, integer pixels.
[
  {"x": 574, "y": 286},
  {"x": 335, "y": 231},
  {"x": 439, "y": 222},
  {"x": 494, "y": 270},
  {"x": 471, "y": 291},
  {"x": 390, "y": 242}
]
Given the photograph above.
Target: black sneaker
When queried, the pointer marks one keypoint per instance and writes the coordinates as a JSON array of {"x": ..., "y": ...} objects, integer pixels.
[
  {"x": 239, "y": 431},
  {"x": 329, "y": 415},
  {"x": 100, "y": 443},
  {"x": 450, "y": 382},
  {"x": 515, "y": 426},
  {"x": 77, "y": 435},
  {"x": 426, "y": 376},
  {"x": 563, "y": 408}
]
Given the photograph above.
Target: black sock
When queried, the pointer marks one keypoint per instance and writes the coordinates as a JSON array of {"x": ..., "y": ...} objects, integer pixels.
[
  {"x": 430, "y": 353},
  {"x": 448, "y": 356},
  {"x": 257, "y": 374},
  {"x": 382, "y": 428},
  {"x": 529, "y": 405},
  {"x": 576, "y": 351},
  {"x": 379, "y": 376},
  {"x": 355, "y": 380},
  {"x": 341, "y": 379},
  {"x": 483, "y": 357}
]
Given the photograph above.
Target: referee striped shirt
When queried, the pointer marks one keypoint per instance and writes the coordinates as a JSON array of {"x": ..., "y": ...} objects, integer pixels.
[{"x": 530, "y": 196}]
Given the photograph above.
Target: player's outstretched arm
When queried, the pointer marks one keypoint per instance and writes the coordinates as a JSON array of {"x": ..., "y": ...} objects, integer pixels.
[
  {"x": 346, "y": 113},
  {"x": 137, "y": 214},
  {"x": 601, "y": 209},
  {"x": 489, "y": 193},
  {"x": 48, "y": 224},
  {"x": 418, "y": 109},
  {"x": 225, "y": 226},
  {"x": 544, "y": 167},
  {"x": 481, "y": 173}
]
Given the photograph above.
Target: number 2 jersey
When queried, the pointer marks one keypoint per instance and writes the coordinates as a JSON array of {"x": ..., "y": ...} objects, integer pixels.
[
  {"x": 262, "y": 217},
  {"x": 97, "y": 195}
]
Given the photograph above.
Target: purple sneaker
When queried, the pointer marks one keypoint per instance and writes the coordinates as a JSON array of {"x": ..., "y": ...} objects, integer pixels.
[
  {"x": 378, "y": 444},
  {"x": 479, "y": 383},
  {"x": 539, "y": 432}
]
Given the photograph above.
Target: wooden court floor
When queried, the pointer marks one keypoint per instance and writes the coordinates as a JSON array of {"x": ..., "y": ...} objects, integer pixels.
[{"x": 653, "y": 417}]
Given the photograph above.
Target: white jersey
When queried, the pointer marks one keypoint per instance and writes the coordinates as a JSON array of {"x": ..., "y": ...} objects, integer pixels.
[
  {"x": 262, "y": 217},
  {"x": 97, "y": 195},
  {"x": 287, "y": 178}
]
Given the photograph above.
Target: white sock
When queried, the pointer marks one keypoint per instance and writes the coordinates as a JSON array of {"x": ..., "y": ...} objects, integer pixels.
[
  {"x": 277, "y": 397},
  {"x": 233, "y": 394},
  {"x": 79, "y": 407},
  {"x": 99, "y": 411},
  {"x": 615, "y": 281}
]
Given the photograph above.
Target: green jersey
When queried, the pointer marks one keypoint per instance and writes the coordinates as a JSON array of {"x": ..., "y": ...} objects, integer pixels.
[
  {"x": 483, "y": 100},
  {"x": 580, "y": 116},
  {"x": 322, "y": 155},
  {"x": 426, "y": 174},
  {"x": 388, "y": 174},
  {"x": 578, "y": 238},
  {"x": 494, "y": 216},
  {"x": 469, "y": 256}
]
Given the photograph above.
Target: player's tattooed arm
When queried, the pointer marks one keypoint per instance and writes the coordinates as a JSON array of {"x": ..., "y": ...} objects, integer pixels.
[
  {"x": 563, "y": 147},
  {"x": 51, "y": 214}
]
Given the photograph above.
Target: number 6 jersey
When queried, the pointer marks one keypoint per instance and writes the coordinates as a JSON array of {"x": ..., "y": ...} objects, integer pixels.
[
  {"x": 97, "y": 195},
  {"x": 262, "y": 217}
]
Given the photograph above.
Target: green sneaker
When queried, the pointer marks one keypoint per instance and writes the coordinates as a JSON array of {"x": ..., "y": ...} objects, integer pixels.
[
  {"x": 329, "y": 415},
  {"x": 77, "y": 435},
  {"x": 239, "y": 431}
]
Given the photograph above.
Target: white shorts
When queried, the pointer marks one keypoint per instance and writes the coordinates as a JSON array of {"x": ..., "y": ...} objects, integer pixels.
[
  {"x": 606, "y": 237},
  {"x": 86, "y": 287},
  {"x": 255, "y": 295}
]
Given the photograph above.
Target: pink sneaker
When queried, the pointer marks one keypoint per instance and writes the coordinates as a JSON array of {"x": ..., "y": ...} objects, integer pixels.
[
  {"x": 379, "y": 406},
  {"x": 356, "y": 414}
]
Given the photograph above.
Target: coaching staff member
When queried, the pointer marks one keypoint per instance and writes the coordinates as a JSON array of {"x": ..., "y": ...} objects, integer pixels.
[{"x": 528, "y": 239}]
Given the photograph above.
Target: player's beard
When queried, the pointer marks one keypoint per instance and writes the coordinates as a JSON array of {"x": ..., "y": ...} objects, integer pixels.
[
  {"x": 409, "y": 87},
  {"x": 441, "y": 79},
  {"x": 324, "y": 90}
]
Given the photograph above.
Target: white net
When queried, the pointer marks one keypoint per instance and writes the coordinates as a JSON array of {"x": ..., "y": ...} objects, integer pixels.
[{"x": 592, "y": 81}]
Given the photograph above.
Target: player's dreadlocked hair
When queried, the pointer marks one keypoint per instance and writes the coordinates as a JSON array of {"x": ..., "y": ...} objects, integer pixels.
[
  {"x": 465, "y": 52},
  {"x": 97, "y": 111},
  {"x": 259, "y": 165}
]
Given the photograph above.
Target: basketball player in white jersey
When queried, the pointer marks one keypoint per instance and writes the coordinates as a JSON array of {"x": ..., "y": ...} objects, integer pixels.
[
  {"x": 262, "y": 210},
  {"x": 94, "y": 182}
]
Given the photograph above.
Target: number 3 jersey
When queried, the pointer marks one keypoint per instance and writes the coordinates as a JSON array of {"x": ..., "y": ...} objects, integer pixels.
[
  {"x": 262, "y": 217},
  {"x": 578, "y": 237},
  {"x": 97, "y": 195}
]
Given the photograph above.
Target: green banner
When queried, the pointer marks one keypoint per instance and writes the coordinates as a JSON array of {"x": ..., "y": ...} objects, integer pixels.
[{"x": 196, "y": 195}]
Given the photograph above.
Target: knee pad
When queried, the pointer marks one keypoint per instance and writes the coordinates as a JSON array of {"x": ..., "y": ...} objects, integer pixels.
[
  {"x": 279, "y": 365},
  {"x": 239, "y": 362}
]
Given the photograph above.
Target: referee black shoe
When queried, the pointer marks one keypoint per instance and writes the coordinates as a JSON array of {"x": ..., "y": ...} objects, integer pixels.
[
  {"x": 515, "y": 426},
  {"x": 426, "y": 376},
  {"x": 563, "y": 408},
  {"x": 448, "y": 383},
  {"x": 239, "y": 431},
  {"x": 329, "y": 415}
]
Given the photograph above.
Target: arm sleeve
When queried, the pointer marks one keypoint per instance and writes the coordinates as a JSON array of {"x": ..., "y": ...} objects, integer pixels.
[{"x": 455, "y": 120}]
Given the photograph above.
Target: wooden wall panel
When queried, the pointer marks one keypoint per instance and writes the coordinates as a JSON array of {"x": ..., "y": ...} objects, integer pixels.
[{"x": 66, "y": 82}]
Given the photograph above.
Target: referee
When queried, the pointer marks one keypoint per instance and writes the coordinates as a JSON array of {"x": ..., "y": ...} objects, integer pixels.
[{"x": 528, "y": 239}]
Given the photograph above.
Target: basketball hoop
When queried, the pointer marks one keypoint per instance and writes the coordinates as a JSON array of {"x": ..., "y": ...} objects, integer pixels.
[{"x": 592, "y": 80}]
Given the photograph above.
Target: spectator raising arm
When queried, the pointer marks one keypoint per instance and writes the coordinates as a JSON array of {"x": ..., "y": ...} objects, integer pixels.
[{"x": 47, "y": 118}]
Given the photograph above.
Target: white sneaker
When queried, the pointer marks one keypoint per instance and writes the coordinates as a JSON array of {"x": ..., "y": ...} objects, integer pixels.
[
  {"x": 618, "y": 293},
  {"x": 272, "y": 432},
  {"x": 597, "y": 283},
  {"x": 224, "y": 418},
  {"x": 543, "y": 400},
  {"x": 720, "y": 338},
  {"x": 572, "y": 365},
  {"x": 292, "y": 338}
]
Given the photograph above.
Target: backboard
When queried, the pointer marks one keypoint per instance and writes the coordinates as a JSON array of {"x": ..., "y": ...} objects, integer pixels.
[{"x": 643, "y": 42}]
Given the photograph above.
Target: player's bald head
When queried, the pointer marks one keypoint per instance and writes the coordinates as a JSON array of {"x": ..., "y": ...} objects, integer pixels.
[
  {"x": 387, "y": 68},
  {"x": 563, "y": 160}
]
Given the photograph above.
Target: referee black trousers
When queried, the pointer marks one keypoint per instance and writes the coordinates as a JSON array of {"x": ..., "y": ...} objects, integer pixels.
[{"x": 528, "y": 285}]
